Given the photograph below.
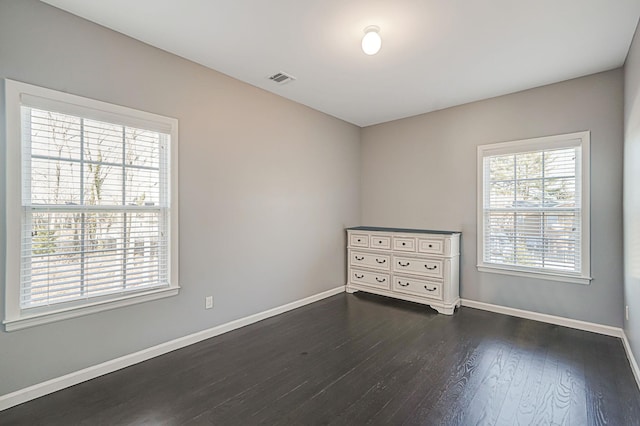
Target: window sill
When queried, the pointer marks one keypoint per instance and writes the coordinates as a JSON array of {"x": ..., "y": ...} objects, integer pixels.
[
  {"x": 34, "y": 319},
  {"x": 537, "y": 275}
]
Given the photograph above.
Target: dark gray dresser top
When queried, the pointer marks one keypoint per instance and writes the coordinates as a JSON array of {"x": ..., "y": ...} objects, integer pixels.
[{"x": 415, "y": 231}]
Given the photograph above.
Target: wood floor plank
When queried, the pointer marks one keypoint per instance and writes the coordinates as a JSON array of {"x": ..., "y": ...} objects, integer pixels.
[
  {"x": 600, "y": 384},
  {"x": 461, "y": 386},
  {"x": 521, "y": 382},
  {"x": 486, "y": 403},
  {"x": 364, "y": 359}
]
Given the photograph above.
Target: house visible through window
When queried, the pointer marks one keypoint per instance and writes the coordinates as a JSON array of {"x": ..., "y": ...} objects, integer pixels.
[
  {"x": 95, "y": 203},
  {"x": 533, "y": 215}
]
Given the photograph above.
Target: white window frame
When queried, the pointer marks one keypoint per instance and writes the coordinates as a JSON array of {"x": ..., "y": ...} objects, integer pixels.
[
  {"x": 581, "y": 139},
  {"x": 17, "y": 94}
]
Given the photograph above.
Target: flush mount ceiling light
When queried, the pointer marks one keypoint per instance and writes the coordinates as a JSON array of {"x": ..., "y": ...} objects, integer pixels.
[{"x": 371, "y": 42}]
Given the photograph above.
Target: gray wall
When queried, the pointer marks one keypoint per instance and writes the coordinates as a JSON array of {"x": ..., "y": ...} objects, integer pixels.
[
  {"x": 266, "y": 188},
  {"x": 632, "y": 194},
  {"x": 421, "y": 172}
]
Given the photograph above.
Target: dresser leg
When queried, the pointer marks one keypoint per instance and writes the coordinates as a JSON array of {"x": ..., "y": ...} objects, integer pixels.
[
  {"x": 350, "y": 290},
  {"x": 444, "y": 310}
]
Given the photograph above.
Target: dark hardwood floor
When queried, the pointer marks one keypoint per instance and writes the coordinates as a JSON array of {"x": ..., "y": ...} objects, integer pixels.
[{"x": 363, "y": 359}]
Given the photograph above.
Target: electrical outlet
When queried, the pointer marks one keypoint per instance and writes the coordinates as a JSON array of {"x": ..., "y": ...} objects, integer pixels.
[
  {"x": 626, "y": 312},
  {"x": 208, "y": 302}
]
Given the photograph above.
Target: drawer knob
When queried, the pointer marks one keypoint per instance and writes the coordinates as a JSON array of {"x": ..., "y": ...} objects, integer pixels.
[
  {"x": 430, "y": 245},
  {"x": 379, "y": 242},
  {"x": 404, "y": 244},
  {"x": 381, "y": 280},
  {"x": 430, "y": 289},
  {"x": 359, "y": 276},
  {"x": 432, "y": 268},
  {"x": 359, "y": 258},
  {"x": 359, "y": 240},
  {"x": 403, "y": 264},
  {"x": 403, "y": 285},
  {"x": 381, "y": 261}
]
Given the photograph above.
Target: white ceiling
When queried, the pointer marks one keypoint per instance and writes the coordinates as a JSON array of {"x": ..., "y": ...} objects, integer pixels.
[{"x": 435, "y": 53}]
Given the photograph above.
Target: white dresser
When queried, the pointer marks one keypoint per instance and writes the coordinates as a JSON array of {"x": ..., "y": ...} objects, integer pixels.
[{"x": 411, "y": 264}]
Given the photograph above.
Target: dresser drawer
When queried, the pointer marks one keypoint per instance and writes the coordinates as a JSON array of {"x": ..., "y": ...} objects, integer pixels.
[
  {"x": 373, "y": 279},
  {"x": 359, "y": 240},
  {"x": 416, "y": 287},
  {"x": 431, "y": 246},
  {"x": 404, "y": 244},
  {"x": 427, "y": 267},
  {"x": 380, "y": 242},
  {"x": 370, "y": 260}
]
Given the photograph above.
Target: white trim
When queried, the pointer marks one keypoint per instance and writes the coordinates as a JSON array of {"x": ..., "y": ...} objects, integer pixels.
[
  {"x": 607, "y": 330},
  {"x": 66, "y": 103},
  {"x": 534, "y": 144},
  {"x": 62, "y": 382},
  {"x": 26, "y": 321},
  {"x": 13, "y": 199},
  {"x": 534, "y": 274},
  {"x": 631, "y": 358}
]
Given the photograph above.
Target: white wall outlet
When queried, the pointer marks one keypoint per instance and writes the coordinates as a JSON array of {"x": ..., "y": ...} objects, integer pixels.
[
  {"x": 626, "y": 312},
  {"x": 208, "y": 302}
]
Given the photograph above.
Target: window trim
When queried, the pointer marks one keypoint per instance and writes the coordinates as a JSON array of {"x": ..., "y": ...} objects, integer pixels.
[
  {"x": 539, "y": 144},
  {"x": 15, "y": 92}
]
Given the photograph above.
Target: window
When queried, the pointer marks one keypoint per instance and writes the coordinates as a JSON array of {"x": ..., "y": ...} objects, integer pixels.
[
  {"x": 91, "y": 206},
  {"x": 533, "y": 208}
]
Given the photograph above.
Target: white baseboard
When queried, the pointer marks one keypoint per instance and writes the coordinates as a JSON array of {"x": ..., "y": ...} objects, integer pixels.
[
  {"x": 32, "y": 392},
  {"x": 632, "y": 359},
  {"x": 550, "y": 319}
]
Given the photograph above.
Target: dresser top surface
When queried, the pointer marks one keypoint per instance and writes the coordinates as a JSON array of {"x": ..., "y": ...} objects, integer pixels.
[{"x": 406, "y": 230}]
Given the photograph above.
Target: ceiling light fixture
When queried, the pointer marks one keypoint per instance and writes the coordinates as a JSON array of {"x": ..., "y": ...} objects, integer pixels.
[{"x": 371, "y": 42}]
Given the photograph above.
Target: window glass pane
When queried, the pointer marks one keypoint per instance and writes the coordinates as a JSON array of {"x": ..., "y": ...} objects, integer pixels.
[
  {"x": 142, "y": 148},
  {"x": 560, "y": 163},
  {"x": 55, "y": 182},
  {"x": 502, "y": 167},
  {"x": 529, "y": 165},
  {"x": 54, "y": 259},
  {"x": 529, "y": 193},
  {"x": 499, "y": 246},
  {"x": 143, "y": 257},
  {"x": 104, "y": 253},
  {"x": 501, "y": 194},
  {"x": 102, "y": 185},
  {"x": 529, "y": 239},
  {"x": 55, "y": 135},
  {"x": 103, "y": 142},
  {"x": 143, "y": 187},
  {"x": 560, "y": 192},
  {"x": 563, "y": 241}
]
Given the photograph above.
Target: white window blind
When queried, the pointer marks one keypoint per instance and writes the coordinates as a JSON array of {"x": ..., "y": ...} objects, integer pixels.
[
  {"x": 95, "y": 205},
  {"x": 532, "y": 213}
]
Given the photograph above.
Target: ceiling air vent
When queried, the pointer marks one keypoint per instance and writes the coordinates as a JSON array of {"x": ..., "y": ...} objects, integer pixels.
[{"x": 282, "y": 78}]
